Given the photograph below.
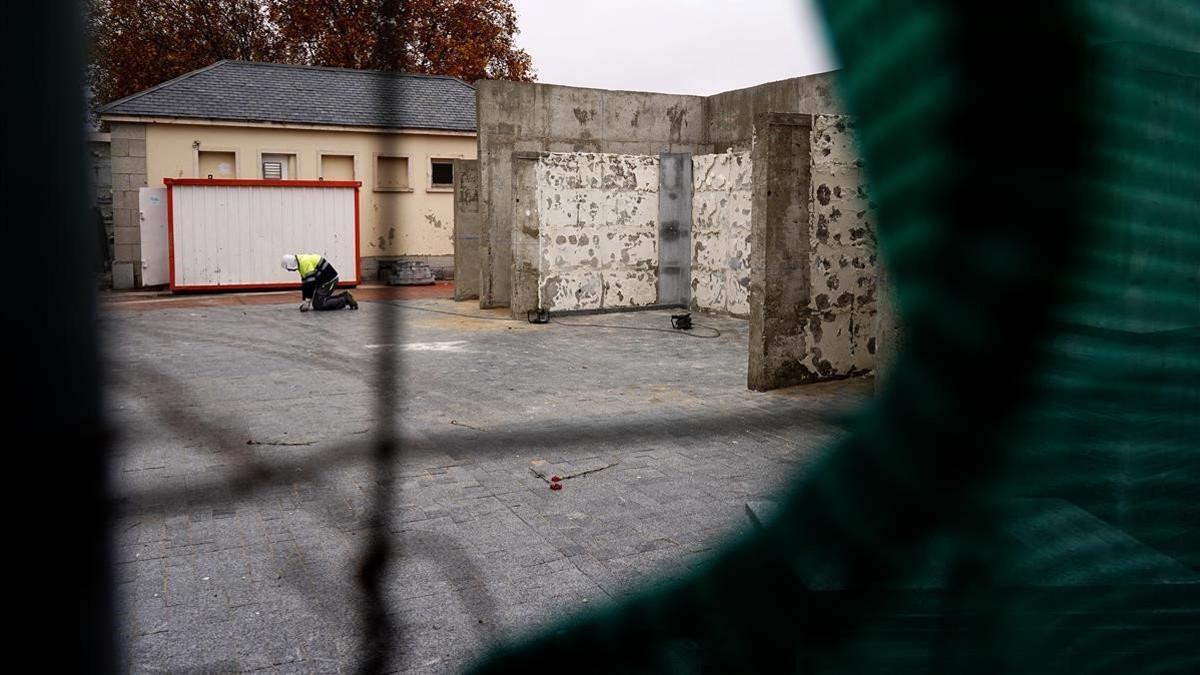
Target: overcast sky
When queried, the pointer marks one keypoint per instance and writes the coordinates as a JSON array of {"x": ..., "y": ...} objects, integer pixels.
[{"x": 672, "y": 46}]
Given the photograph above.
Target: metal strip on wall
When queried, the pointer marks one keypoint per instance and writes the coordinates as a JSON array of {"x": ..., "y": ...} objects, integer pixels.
[{"x": 674, "y": 228}]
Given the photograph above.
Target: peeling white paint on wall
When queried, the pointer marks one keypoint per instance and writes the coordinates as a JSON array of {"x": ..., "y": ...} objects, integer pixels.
[
  {"x": 842, "y": 311},
  {"x": 722, "y": 193},
  {"x": 598, "y": 231}
]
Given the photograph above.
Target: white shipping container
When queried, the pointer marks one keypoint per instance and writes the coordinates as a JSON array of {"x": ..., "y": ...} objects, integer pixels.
[{"x": 230, "y": 233}]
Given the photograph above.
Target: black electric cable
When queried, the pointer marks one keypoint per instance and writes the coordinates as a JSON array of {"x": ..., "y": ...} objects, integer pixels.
[
  {"x": 716, "y": 333},
  {"x": 448, "y": 313}
]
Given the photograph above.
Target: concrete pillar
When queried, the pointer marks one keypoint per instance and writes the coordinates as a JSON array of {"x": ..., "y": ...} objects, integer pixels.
[
  {"x": 525, "y": 234},
  {"x": 467, "y": 253},
  {"x": 496, "y": 175},
  {"x": 779, "y": 260}
]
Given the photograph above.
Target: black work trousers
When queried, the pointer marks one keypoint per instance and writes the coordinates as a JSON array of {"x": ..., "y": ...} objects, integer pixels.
[
  {"x": 325, "y": 298},
  {"x": 319, "y": 285}
]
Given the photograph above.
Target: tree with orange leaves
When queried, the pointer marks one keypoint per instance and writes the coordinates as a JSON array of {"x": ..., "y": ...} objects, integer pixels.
[
  {"x": 137, "y": 44},
  {"x": 472, "y": 39}
]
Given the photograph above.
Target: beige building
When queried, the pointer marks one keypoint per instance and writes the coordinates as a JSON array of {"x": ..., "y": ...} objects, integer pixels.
[{"x": 396, "y": 133}]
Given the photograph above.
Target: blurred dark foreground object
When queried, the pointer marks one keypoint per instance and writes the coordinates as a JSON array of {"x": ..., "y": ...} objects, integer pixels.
[
  {"x": 1023, "y": 494},
  {"x": 55, "y": 462}
]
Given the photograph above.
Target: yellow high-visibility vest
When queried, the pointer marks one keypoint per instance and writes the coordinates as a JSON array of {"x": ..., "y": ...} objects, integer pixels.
[{"x": 307, "y": 263}]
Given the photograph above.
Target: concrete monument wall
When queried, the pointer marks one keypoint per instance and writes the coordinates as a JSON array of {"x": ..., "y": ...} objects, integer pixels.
[
  {"x": 598, "y": 231},
  {"x": 721, "y": 206}
]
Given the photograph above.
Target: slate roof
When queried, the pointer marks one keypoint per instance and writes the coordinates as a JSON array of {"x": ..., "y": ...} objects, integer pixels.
[{"x": 272, "y": 92}]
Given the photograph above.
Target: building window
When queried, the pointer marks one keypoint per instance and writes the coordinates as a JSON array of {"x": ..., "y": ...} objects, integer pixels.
[
  {"x": 441, "y": 174},
  {"x": 278, "y": 166},
  {"x": 216, "y": 164},
  {"x": 391, "y": 174},
  {"x": 337, "y": 167}
]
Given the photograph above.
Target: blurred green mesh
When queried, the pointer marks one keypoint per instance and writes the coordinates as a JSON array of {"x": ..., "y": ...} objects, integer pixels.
[{"x": 1024, "y": 495}]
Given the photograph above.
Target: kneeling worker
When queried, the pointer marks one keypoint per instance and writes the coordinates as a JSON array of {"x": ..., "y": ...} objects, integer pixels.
[{"x": 317, "y": 281}]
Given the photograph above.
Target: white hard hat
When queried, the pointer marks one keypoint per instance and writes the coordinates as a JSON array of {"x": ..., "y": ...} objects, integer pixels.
[{"x": 289, "y": 262}]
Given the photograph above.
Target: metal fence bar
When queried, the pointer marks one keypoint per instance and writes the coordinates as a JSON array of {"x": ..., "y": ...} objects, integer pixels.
[{"x": 57, "y": 455}]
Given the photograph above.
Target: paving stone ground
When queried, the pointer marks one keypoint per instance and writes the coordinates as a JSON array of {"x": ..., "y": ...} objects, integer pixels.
[{"x": 243, "y": 475}]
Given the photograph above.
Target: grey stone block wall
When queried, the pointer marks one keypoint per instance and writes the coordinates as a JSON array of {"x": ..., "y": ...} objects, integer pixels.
[
  {"x": 722, "y": 197},
  {"x": 779, "y": 268},
  {"x": 369, "y": 267},
  {"x": 101, "y": 196},
  {"x": 128, "y": 146}
]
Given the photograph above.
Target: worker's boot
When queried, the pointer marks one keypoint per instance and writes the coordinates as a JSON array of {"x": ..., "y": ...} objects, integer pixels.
[{"x": 353, "y": 304}]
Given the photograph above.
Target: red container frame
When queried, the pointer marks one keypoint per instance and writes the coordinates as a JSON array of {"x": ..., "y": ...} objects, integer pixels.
[{"x": 254, "y": 182}]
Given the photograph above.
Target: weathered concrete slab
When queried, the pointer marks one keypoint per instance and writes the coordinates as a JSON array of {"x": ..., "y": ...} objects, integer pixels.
[
  {"x": 517, "y": 117},
  {"x": 598, "y": 231},
  {"x": 721, "y": 247}
]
